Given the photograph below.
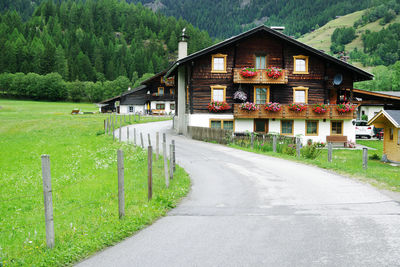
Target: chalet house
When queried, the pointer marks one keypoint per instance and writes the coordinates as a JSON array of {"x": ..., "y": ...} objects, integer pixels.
[
  {"x": 155, "y": 95},
  {"x": 389, "y": 120},
  {"x": 306, "y": 76}
]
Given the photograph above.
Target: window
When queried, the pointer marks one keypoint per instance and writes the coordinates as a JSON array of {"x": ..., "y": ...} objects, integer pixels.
[
  {"x": 172, "y": 91},
  {"x": 160, "y": 90},
  {"x": 300, "y": 64},
  {"x": 218, "y": 63},
  {"x": 261, "y": 62},
  {"x": 311, "y": 127},
  {"x": 398, "y": 136},
  {"x": 300, "y": 95},
  {"x": 287, "y": 127},
  {"x": 337, "y": 127},
  {"x": 222, "y": 124},
  {"x": 218, "y": 93},
  {"x": 260, "y": 125},
  {"x": 261, "y": 94},
  {"x": 131, "y": 109},
  {"x": 391, "y": 133},
  {"x": 160, "y": 106},
  {"x": 172, "y": 106}
]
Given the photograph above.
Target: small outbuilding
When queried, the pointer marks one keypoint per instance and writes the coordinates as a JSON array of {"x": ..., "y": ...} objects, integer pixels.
[{"x": 389, "y": 120}]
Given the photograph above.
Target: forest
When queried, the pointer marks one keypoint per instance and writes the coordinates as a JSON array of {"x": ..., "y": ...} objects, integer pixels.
[{"x": 93, "y": 41}]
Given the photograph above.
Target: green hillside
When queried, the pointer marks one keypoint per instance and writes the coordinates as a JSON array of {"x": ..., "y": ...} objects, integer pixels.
[{"x": 321, "y": 38}]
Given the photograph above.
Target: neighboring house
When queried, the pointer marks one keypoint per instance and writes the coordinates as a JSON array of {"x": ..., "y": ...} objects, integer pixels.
[
  {"x": 155, "y": 96},
  {"x": 372, "y": 102},
  {"x": 389, "y": 120},
  {"x": 309, "y": 77}
]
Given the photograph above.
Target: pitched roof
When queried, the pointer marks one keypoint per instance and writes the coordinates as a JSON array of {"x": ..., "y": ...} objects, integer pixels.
[
  {"x": 392, "y": 115},
  {"x": 115, "y": 98},
  {"x": 365, "y": 75},
  {"x": 384, "y": 94}
]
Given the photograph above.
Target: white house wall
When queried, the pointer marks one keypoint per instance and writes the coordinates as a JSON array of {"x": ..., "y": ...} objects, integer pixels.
[
  {"x": 153, "y": 105},
  {"x": 124, "y": 109},
  {"x": 370, "y": 111},
  {"x": 247, "y": 125}
]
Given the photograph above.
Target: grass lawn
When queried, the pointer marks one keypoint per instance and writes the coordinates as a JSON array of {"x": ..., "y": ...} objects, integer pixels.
[
  {"x": 84, "y": 181},
  {"x": 349, "y": 162}
]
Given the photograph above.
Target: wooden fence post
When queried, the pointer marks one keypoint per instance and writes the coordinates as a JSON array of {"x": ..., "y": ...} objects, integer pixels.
[
  {"x": 139, "y": 117},
  {"x": 124, "y": 118},
  {"x": 134, "y": 136},
  {"x": 157, "y": 144},
  {"x": 149, "y": 172},
  {"x": 171, "y": 164},
  {"x": 274, "y": 139},
  {"x": 173, "y": 155},
  {"x": 48, "y": 201},
  {"x": 252, "y": 140},
  {"x": 330, "y": 152},
  {"x": 127, "y": 134},
  {"x": 120, "y": 133},
  {"x": 141, "y": 140},
  {"x": 365, "y": 158},
  {"x": 105, "y": 125},
  {"x": 121, "y": 197},
  {"x": 113, "y": 132},
  {"x": 298, "y": 146},
  {"x": 149, "y": 139},
  {"x": 165, "y": 164},
  {"x": 164, "y": 138}
]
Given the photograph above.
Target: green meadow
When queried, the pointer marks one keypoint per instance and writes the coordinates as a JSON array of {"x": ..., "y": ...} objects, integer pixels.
[{"x": 84, "y": 184}]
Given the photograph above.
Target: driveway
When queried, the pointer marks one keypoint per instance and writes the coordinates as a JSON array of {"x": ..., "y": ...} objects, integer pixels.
[{"x": 246, "y": 209}]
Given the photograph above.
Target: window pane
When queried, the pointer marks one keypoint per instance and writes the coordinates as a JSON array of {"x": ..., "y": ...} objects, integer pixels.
[
  {"x": 287, "y": 127},
  {"x": 172, "y": 106},
  {"x": 219, "y": 63},
  {"x": 160, "y": 106},
  {"x": 228, "y": 125},
  {"x": 336, "y": 127},
  {"x": 216, "y": 124},
  {"x": 300, "y": 96},
  {"x": 260, "y": 125},
  {"x": 260, "y": 62},
  {"x": 261, "y": 95},
  {"x": 312, "y": 127},
  {"x": 218, "y": 94},
  {"x": 130, "y": 108},
  {"x": 300, "y": 65},
  {"x": 160, "y": 91}
]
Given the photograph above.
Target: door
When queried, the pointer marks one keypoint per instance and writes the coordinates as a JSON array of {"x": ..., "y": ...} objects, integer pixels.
[{"x": 261, "y": 125}]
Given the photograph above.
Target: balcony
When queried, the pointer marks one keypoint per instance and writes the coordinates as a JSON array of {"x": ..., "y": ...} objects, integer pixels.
[
  {"x": 260, "y": 78},
  {"x": 285, "y": 113}
]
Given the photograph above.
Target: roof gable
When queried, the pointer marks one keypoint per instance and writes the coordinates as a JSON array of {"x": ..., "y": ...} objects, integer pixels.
[
  {"x": 392, "y": 115},
  {"x": 363, "y": 74}
]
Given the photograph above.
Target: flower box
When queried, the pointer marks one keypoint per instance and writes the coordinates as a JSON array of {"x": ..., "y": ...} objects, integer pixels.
[
  {"x": 345, "y": 107},
  {"x": 249, "y": 106},
  {"x": 248, "y": 72},
  {"x": 320, "y": 108},
  {"x": 274, "y": 72},
  {"x": 273, "y": 107},
  {"x": 217, "y": 106},
  {"x": 297, "y": 107}
]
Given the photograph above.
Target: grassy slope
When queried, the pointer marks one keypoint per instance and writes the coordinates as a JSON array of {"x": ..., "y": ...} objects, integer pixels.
[
  {"x": 321, "y": 38},
  {"x": 84, "y": 180},
  {"x": 349, "y": 162}
]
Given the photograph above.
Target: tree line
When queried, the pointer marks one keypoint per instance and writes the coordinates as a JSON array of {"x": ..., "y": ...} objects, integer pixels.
[{"x": 92, "y": 40}]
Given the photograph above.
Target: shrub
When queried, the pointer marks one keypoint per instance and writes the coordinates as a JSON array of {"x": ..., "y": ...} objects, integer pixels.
[
  {"x": 374, "y": 157},
  {"x": 310, "y": 151}
]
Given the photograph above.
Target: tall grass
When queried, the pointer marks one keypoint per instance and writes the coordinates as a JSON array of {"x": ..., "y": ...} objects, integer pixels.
[{"x": 84, "y": 180}]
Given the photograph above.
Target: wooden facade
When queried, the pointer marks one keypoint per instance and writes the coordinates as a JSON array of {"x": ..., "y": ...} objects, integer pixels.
[{"x": 318, "y": 80}]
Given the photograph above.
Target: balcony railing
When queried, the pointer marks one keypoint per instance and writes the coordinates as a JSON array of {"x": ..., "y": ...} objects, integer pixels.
[
  {"x": 286, "y": 113},
  {"x": 260, "y": 78}
]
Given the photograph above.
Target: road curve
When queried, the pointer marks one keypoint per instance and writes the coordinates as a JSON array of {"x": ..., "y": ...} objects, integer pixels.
[{"x": 246, "y": 209}]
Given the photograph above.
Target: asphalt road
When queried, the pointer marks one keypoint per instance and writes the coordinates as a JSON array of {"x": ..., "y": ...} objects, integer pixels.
[{"x": 252, "y": 210}]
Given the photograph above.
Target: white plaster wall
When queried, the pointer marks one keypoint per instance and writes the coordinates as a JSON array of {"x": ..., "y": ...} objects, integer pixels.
[
  {"x": 370, "y": 110},
  {"x": 124, "y": 109},
  {"x": 244, "y": 125},
  {"x": 153, "y": 105},
  {"x": 203, "y": 120}
]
